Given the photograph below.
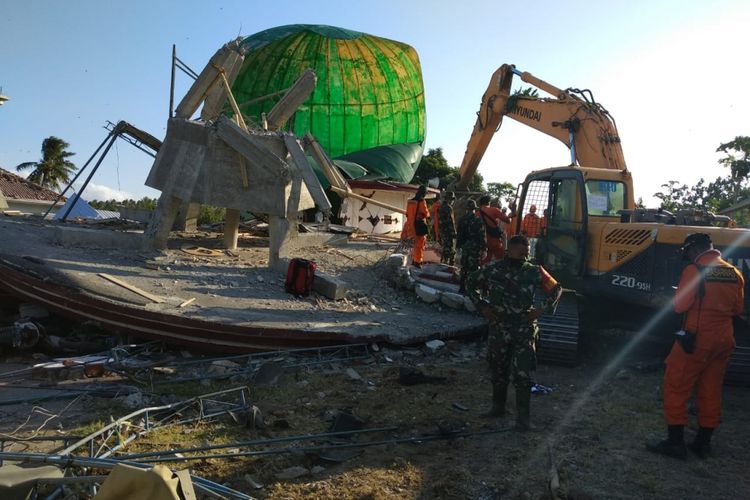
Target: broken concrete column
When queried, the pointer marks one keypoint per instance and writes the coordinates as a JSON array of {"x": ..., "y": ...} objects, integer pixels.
[
  {"x": 187, "y": 217},
  {"x": 280, "y": 231},
  {"x": 294, "y": 97},
  {"x": 427, "y": 294},
  {"x": 157, "y": 233},
  {"x": 231, "y": 228},
  {"x": 329, "y": 286},
  {"x": 453, "y": 300}
]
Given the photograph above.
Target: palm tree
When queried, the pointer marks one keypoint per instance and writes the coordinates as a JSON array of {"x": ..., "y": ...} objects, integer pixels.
[{"x": 54, "y": 167}]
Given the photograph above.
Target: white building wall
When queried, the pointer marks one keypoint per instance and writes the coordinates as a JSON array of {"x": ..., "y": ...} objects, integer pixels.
[{"x": 373, "y": 219}]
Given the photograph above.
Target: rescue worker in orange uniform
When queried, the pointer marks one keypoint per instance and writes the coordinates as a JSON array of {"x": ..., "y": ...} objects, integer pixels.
[
  {"x": 435, "y": 219},
  {"x": 531, "y": 225},
  {"x": 415, "y": 226},
  {"x": 493, "y": 218},
  {"x": 710, "y": 292}
]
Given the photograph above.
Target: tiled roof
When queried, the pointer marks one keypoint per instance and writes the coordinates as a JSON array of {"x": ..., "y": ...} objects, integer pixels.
[{"x": 15, "y": 187}]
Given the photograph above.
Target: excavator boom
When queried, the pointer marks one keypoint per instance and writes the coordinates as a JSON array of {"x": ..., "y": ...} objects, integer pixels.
[{"x": 571, "y": 116}]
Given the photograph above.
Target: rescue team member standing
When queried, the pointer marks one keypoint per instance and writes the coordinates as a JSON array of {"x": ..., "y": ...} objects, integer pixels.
[
  {"x": 492, "y": 218},
  {"x": 503, "y": 292},
  {"x": 447, "y": 229},
  {"x": 531, "y": 225},
  {"x": 434, "y": 216},
  {"x": 470, "y": 241},
  {"x": 710, "y": 292},
  {"x": 415, "y": 226}
]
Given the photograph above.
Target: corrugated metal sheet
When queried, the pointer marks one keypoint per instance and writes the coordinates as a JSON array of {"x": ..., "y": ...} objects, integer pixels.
[
  {"x": 83, "y": 210},
  {"x": 369, "y": 96},
  {"x": 15, "y": 187}
]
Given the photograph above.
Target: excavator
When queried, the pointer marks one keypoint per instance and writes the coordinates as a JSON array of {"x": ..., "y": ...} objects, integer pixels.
[{"x": 597, "y": 243}]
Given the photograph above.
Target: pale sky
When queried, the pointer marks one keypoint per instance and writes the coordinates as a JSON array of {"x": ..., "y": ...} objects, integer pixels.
[{"x": 672, "y": 73}]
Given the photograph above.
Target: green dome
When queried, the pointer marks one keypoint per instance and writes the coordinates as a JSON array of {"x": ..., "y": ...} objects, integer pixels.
[{"x": 369, "y": 97}]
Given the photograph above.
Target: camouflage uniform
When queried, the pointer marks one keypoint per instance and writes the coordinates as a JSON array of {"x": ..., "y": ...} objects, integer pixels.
[
  {"x": 471, "y": 243},
  {"x": 509, "y": 292},
  {"x": 447, "y": 232}
]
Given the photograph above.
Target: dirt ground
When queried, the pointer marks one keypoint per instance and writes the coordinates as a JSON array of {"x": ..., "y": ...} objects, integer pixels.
[{"x": 593, "y": 425}]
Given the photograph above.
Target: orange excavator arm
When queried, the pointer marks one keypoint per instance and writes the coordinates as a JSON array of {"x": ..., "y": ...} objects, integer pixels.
[{"x": 571, "y": 116}]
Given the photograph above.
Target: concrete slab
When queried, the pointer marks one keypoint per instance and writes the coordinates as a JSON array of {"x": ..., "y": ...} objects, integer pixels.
[
  {"x": 239, "y": 290},
  {"x": 98, "y": 238}
]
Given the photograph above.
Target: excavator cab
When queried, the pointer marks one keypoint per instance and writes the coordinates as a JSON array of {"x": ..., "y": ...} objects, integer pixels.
[{"x": 561, "y": 244}]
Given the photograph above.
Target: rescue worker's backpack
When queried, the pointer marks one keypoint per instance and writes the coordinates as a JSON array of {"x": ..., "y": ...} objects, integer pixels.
[{"x": 299, "y": 277}]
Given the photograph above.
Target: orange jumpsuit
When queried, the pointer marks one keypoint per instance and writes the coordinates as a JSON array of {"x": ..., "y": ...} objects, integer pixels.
[
  {"x": 510, "y": 228},
  {"x": 415, "y": 210},
  {"x": 711, "y": 319},
  {"x": 531, "y": 225},
  {"x": 492, "y": 216},
  {"x": 435, "y": 220}
]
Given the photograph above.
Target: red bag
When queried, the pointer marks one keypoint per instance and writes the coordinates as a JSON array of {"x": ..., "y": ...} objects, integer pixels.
[{"x": 299, "y": 277}]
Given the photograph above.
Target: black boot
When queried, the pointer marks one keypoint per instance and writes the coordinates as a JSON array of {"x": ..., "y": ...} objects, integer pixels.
[
  {"x": 523, "y": 410},
  {"x": 701, "y": 446},
  {"x": 499, "y": 396},
  {"x": 673, "y": 446}
]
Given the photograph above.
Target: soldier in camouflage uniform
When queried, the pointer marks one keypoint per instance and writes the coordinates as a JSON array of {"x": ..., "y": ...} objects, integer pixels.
[
  {"x": 470, "y": 241},
  {"x": 447, "y": 226},
  {"x": 503, "y": 292}
]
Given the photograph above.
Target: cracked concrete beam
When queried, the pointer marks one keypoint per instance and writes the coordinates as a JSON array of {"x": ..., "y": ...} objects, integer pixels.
[{"x": 209, "y": 77}]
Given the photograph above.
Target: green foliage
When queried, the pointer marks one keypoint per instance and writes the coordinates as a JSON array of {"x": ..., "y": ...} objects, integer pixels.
[
  {"x": 720, "y": 194},
  {"x": 505, "y": 191},
  {"x": 209, "y": 214},
  {"x": 54, "y": 169},
  {"x": 434, "y": 164},
  {"x": 527, "y": 92},
  {"x": 144, "y": 203},
  {"x": 737, "y": 156}
]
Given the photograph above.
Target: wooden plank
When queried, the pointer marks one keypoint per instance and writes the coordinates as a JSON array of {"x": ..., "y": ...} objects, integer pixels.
[
  {"x": 350, "y": 194},
  {"x": 132, "y": 288},
  {"x": 186, "y": 303}
]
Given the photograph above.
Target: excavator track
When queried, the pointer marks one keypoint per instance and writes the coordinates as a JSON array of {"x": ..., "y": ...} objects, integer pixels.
[
  {"x": 738, "y": 371},
  {"x": 558, "y": 339}
]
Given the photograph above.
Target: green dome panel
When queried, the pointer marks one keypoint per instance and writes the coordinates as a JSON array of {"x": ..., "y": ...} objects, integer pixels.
[{"x": 369, "y": 94}]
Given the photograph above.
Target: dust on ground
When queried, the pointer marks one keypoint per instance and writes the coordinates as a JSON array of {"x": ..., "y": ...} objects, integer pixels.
[
  {"x": 239, "y": 288},
  {"x": 599, "y": 450}
]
